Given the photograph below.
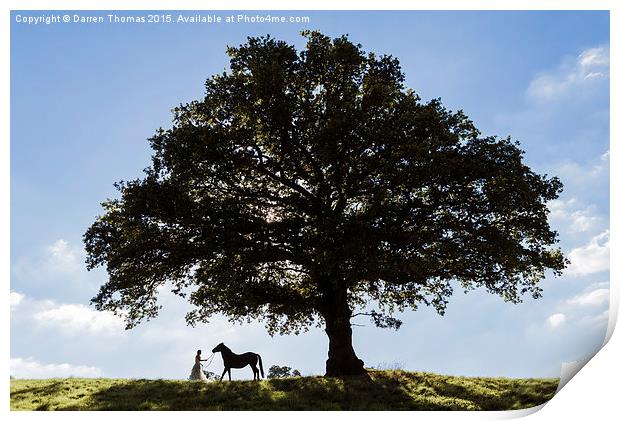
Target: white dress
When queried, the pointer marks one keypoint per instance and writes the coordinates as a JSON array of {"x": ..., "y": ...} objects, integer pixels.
[{"x": 197, "y": 373}]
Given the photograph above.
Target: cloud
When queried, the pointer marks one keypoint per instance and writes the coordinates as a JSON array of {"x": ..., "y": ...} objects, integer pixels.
[
  {"x": 63, "y": 258},
  {"x": 576, "y": 75},
  {"x": 557, "y": 319},
  {"x": 592, "y": 174},
  {"x": 170, "y": 329},
  {"x": 15, "y": 298},
  {"x": 592, "y": 298},
  {"x": 594, "y": 58},
  {"x": 566, "y": 213},
  {"x": 76, "y": 318},
  {"x": 590, "y": 258},
  {"x": 68, "y": 318},
  {"x": 583, "y": 310},
  {"x": 69, "y": 331},
  {"x": 596, "y": 320},
  {"x": 605, "y": 156},
  {"x": 57, "y": 271},
  {"x": 31, "y": 369}
]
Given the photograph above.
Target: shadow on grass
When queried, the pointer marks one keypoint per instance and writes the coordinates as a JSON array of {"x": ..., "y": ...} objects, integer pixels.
[
  {"x": 41, "y": 394},
  {"x": 388, "y": 390},
  {"x": 310, "y": 393},
  {"x": 480, "y": 393}
]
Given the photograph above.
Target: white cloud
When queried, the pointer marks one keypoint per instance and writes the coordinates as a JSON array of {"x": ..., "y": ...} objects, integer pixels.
[
  {"x": 583, "y": 310},
  {"x": 593, "y": 58},
  {"x": 592, "y": 298},
  {"x": 57, "y": 270},
  {"x": 31, "y": 369},
  {"x": 597, "y": 285},
  {"x": 15, "y": 298},
  {"x": 605, "y": 156},
  {"x": 582, "y": 221},
  {"x": 63, "y": 258},
  {"x": 557, "y": 319},
  {"x": 590, "y": 175},
  {"x": 73, "y": 318},
  {"x": 575, "y": 74},
  {"x": 566, "y": 213},
  {"x": 590, "y": 258},
  {"x": 594, "y": 321}
]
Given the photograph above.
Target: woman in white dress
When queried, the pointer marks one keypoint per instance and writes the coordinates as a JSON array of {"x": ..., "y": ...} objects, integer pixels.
[{"x": 197, "y": 373}]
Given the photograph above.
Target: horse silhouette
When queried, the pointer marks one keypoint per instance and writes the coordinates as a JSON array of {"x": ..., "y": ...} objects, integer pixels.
[{"x": 232, "y": 360}]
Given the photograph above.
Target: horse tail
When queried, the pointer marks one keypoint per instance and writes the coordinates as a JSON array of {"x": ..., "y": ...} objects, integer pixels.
[{"x": 260, "y": 364}]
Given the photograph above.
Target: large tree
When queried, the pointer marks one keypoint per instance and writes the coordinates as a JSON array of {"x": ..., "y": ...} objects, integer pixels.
[{"x": 307, "y": 187}]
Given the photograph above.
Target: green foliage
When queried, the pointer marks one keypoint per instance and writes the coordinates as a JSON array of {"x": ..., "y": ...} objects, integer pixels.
[
  {"x": 388, "y": 390},
  {"x": 307, "y": 185},
  {"x": 277, "y": 372}
]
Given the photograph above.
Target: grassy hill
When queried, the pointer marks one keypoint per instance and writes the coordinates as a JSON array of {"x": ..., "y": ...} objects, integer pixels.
[{"x": 388, "y": 390}]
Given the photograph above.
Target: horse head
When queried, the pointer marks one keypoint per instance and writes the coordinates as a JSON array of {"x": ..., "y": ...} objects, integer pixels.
[{"x": 219, "y": 348}]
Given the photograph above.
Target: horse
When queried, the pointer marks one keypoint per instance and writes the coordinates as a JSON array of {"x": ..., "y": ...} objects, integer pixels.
[{"x": 232, "y": 360}]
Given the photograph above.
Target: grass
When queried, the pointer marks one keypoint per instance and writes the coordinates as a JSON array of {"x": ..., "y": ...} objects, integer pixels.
[{"x": 388, "y": 390}]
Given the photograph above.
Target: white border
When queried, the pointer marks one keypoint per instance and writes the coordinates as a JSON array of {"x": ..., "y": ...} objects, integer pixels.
[{"x": 591, "y": 394}]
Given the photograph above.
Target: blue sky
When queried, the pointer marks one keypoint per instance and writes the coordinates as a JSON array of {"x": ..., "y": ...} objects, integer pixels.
[{"x": 85, "y": 97}]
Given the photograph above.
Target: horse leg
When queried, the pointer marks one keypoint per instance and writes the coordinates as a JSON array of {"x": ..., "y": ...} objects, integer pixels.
[
  {"x": 229, "y": 379},
  {"x": 255, "y": 367},
  {"x": 223, "y": 372},
  {"x": 254, "y": 371}
]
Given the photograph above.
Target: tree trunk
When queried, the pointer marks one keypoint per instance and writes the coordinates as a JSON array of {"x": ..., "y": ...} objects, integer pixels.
[{"x": 342, "y": 360}]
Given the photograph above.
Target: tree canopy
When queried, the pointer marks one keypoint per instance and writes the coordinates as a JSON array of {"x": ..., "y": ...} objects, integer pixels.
[
  {"x": 279, "y": 372},
  {"x": 307, "y": 187}
]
